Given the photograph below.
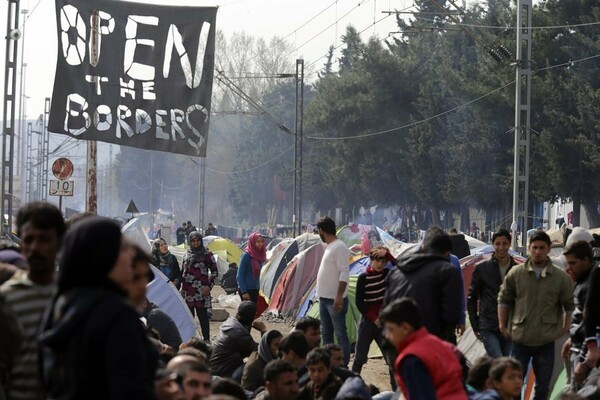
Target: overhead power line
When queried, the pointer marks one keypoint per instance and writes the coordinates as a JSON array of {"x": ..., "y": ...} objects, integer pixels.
[
  {"x": 252, "y": 168},
  {"x": 566, "y": 64},
  {"x": 507, "y": 27}
]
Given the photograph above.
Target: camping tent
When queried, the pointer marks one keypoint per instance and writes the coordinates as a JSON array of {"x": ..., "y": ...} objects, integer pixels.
[
  {"x": 296, "y": 281},
  {"x": 280, "y": 258},
  {"x": 168, "y": 299}
]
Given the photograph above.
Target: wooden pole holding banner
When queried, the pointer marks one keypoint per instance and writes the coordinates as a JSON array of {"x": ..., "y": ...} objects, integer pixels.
[{"x": 91, "y": 204}]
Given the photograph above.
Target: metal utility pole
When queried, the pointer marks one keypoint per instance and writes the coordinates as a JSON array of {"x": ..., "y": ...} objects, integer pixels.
[
  {"x": 8, "y": 124},
  {"x": 298, "y": 142},
  {"x": 28, "y": 163},
  {"x": 20, "y": 166},
  {"x": 45, "y": 151},
  {"x": 522, "y": 124}
]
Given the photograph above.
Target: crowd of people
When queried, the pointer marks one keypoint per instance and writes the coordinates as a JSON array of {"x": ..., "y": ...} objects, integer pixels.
[{"x": 75, "y": 322}]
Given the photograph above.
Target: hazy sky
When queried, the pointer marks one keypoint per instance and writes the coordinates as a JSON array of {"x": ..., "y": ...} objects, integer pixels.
[{"x": 262, "y": 18}]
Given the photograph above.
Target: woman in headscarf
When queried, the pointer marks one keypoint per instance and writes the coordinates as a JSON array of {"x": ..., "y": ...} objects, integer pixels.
[
  {"x": 92, "y": 344},
  {"x": 248, "y": 275},
  {"x": 166, "y": 262},
  {"x": 253, "y": 375},
  {"x": 196, "y": 283}
]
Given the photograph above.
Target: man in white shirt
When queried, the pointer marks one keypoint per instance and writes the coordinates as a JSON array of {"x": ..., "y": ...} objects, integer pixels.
[{"x": 332, "y": 287}]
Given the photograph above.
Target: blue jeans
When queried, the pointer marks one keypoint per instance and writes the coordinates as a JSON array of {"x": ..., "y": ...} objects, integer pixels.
[
  {"x": 542, "y": 360},
  {"x": 335, "y": 322},
  {"x": 495, "y": 344}
]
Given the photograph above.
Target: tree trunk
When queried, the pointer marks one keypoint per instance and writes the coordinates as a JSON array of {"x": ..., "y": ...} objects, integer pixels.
[
  {"x": 465, "y": 219},
  {"x": 576, "y": 210},
  {"x": 591, "y": 211},
  {"x": 435, "y": 216}
]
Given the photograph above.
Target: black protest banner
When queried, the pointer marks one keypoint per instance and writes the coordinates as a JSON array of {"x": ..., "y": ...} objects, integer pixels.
[{"x": 134, "y": 74}]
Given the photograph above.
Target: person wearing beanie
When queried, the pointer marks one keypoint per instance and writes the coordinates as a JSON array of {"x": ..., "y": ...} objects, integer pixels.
[
  {"x": 234, "y": 342},
  {"x": 92, "y": 345}
]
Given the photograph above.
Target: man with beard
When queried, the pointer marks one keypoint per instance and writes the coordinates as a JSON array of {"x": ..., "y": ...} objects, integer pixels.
[
  {"x": 41, "y": 227},
  {"x": 332, "y": 287}
]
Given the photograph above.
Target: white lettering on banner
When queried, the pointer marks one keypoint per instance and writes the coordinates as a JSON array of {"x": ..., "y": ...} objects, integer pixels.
[
  {"x": 103, "y": 119},
  {"x": 137, "y": 82}
]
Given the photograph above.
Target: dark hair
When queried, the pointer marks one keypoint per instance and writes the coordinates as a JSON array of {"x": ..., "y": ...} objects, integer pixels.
[
  {"x": 500, "y": 365},
  {"x": 580, "y": 250},
  {"x": 332, "y": 347},
  {"x": 480, "y": 372},
  {"x": 229, "y": 387},
  {"x": 318, "y": 355},
  {"x": 272, "y": 335},
  {"x": 192, "y": 351},
  {"x": 295, "y": 342},
  {"x": 140, "y": 255},
  {"x": 402, "y": 310},
  {"x": 437, "y": 241},
  {"x": 307, "y": 322},
  {"x": 540, "y": 236},
  {"x": 183, "y": 368},
  {"x": 501, "y": 232},
  {"x": 199, "y": 344},
  {"x": 277, "y": 367},
  {"x": 69, "y": 222},
  {"x": 327, "y": 225},
  {"x": 42, "y": 215}
]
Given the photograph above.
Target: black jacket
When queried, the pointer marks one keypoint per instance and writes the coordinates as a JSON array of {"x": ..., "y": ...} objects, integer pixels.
[
  {"x": 94, "y": 347},
  {"x": 482, "y": 301},
  {"x": 434, "y": 284},
  {"x": 580, "y": 291},
  {"x": 460, "y": 246},
  {"x": 591, "y": 322},
  {"x": 164, "y": 325},
  {"x": 232, "y": 345}
]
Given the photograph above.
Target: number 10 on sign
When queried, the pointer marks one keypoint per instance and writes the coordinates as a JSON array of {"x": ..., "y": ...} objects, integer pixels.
[{"x": 61, "y": 188}]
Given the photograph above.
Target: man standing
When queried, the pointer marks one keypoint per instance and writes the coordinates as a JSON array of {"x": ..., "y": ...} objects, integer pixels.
[
  {"x": 210, "y": 230},
  {"x": 482, "y": 302},
  {"x": 428, "y": 278},
  {"x": 580, "y": 261},
  {"x": 332, "y": 286},
  {"x": 41, "y": 227},
  {"x": 537, "y": 299}
]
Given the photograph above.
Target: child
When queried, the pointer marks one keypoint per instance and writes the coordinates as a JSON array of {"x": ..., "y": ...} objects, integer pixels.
[
  {"x": 506, "y": 379},
  {"x": 323, "y": 384}
]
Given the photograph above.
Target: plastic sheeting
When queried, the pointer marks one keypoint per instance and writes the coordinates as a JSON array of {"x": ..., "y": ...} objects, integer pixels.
[{"x": 168, "y": 299}]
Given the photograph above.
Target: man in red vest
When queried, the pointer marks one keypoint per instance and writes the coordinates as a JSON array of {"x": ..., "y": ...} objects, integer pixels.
[{"x": 427, "y": 367}]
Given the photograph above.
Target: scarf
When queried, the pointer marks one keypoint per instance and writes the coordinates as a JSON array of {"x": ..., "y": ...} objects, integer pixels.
[
  {"x": 163, "y": 259},
  {"x": 257, "y": 256},
  {"x": 264, "y": 351}
]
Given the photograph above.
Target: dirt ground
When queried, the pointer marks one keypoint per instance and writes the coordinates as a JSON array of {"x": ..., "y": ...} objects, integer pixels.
[{"x": 375, "y": 371}]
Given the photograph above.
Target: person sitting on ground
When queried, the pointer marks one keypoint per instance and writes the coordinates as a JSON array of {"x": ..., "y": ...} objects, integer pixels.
[
  {"x": 336, "y": 354},
  {"x": 281, "y": 381},
  {"x": 253, "y": 377},
  {"x": 311, "y": 328},
  {"x": 164, "y": 325},
  {"x": 323, "y": 385},
  {"x": 293, "y": 349},
  {"x": 427, "y": 367},
  {"x": 191, "y": 351},
  {"x": 197, "y": 343},
  {"x": 506, "y": 380},
  {"x": 230, "y": 388},
  {"x": 478, "y": 376},
  {"x": 229, "y": 280},
  {"x": 194, "y": 377},
  {"x": 234, "y": 342}
]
